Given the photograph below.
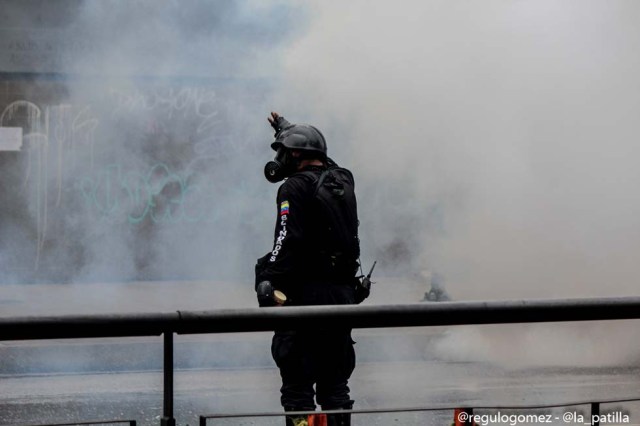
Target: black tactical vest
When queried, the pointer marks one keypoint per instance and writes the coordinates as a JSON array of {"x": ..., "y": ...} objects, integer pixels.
[{"x": 338, "y": 245}]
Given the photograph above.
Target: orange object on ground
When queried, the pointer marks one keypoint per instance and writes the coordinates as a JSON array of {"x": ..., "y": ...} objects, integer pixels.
[{"x": 317, "y": 420}]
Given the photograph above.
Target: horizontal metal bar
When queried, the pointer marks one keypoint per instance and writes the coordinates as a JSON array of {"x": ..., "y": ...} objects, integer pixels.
[
  {"x": 97, "y": 422},
  {"x": 418, "y": 409},
  {"x": 77, "y": 326},
  {"x": 282, "y": 318},
  {"x": 409, "y": 315}
]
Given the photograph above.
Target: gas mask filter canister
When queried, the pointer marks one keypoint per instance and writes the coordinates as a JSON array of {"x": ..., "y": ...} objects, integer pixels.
[{"x": 280, "y": 167}]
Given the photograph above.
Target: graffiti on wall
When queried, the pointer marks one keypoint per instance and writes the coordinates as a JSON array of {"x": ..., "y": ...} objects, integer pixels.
[{"x": 79, "y": 155}]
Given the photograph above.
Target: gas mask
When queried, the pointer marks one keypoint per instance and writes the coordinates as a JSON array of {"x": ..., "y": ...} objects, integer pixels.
[{"x": 282, "y": 166}]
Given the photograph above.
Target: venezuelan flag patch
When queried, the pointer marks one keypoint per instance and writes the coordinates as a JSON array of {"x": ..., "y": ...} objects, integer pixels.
[{"x": 284, "y": 208}]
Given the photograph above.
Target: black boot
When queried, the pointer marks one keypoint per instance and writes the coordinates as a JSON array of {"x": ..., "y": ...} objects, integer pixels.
[{"x": 339, "y": 419}]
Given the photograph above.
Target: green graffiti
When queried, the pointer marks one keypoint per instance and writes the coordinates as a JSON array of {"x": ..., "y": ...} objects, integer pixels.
[{"x": 159, "y": 195}]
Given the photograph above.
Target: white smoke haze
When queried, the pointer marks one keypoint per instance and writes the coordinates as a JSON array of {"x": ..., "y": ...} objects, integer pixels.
[
  {"x": 515, "y": 119},
  {"x": 143, "y": 151},
  {"x": 494, "y": 142},
  {"x": 573, "y": 345}
]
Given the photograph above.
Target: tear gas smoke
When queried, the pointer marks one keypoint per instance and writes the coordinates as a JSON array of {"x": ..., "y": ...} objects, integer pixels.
[
  {"x": 493, "y": 142},
  {"x": 144, "y": 138}
]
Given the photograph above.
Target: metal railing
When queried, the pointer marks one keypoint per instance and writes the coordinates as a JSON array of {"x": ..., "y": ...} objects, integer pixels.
[
  {"x": 268, "y": 319},
  {"x": 594, "y": 410},
  {"x": 98, "y": 422}
]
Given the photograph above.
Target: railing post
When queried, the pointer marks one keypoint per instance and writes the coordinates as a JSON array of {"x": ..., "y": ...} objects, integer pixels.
[
  {"x": 469, "y": 421},
  {"x": 167, "y": 417},
  {"x": 595, "y": 414}
]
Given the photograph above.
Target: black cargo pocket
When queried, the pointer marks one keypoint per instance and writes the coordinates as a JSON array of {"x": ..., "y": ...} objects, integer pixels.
[{"x": 283, "y": 347}]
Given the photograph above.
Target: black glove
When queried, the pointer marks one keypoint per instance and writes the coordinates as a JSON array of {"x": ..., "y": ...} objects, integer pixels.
[
  {"x": 362, "y": 290},
  {"x": 261, "y": 265},
  {"x": 279, "y": 123},
  {"x": 264, "y": 291}
]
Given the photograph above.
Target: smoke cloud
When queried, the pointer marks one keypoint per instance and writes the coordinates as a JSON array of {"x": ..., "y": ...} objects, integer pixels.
[
  {"x": 145, "y": 135},
  {"x": 492, "y": 142}
]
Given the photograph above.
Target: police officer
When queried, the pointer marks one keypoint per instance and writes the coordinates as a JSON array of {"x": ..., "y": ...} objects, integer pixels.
[{"x": 314, "y": 261}]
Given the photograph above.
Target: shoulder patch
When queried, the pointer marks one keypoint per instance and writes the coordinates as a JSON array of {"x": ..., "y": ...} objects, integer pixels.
[{"x": 284, "y": 208}]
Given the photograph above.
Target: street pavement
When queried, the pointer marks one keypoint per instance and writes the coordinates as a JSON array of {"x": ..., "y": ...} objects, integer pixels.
[{"x": 422, "y": 379}]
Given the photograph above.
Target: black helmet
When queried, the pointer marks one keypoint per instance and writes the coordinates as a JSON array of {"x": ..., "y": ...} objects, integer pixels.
[{"x": 303, "y": 137}]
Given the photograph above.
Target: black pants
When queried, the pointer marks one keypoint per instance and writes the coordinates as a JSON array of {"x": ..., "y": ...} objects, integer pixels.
[{"x": 320, "y": 357}]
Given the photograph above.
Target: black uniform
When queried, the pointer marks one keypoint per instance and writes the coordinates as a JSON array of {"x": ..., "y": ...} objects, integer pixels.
[{"x": 304, "y": 265}]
